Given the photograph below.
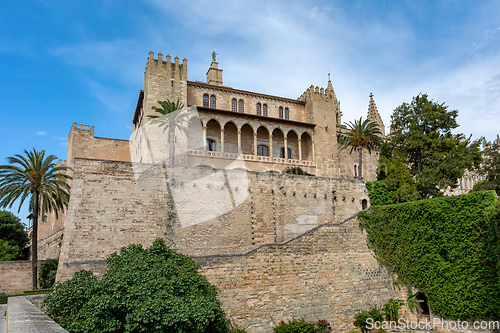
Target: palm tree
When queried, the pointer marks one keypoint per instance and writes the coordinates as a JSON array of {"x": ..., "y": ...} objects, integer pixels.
[
  {"x": 170, "y": 122},
  {"x": 35, "y": 176},
  {"x": 361, "y": 134}
]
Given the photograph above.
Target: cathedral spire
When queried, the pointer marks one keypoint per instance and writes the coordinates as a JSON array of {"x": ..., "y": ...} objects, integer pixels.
[{"x": 373, "y": 114}]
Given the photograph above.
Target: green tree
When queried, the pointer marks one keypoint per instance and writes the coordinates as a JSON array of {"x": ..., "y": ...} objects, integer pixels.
[
  {"x": 360, "y": 135},
  {"x": 8, "y": 252},
  {"x": 13, "y": 232},
  {"x": 37, "y": 177},
  {"x": 490, "y": 168},
  {"x": 48, "y": 271},
  {"x": 143, "y": 290},
  {"x": 422, "y": 141},
  {"x": 171, "y": 121}
]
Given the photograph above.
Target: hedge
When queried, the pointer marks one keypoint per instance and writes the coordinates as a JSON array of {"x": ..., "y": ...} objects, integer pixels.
[{"x": 447, "y": 247}]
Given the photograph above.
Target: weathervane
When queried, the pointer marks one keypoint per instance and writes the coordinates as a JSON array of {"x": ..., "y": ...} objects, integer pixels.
[
  {"x": 214, "y": 55},
  {"x": 328, "y": 76}
]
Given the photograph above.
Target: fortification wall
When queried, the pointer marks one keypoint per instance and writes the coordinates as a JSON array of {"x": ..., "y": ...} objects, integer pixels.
[
  {"x": 16, "y": 276},
  {"x": 198, "y": 211},
  {"x": 50, "y": 247},
  {"x": 83, "y": 144},
  {"x": 327, "y": 273}
]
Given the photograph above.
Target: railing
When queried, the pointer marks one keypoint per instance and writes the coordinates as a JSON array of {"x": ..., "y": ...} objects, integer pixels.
[{"x": 246, "y": 157}]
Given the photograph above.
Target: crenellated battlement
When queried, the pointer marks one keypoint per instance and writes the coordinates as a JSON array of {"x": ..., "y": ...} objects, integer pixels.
[
  {"x": 166, "y": 66},
  {"x": 315, "y": 91},
  {"x": 82, "y": 128}
]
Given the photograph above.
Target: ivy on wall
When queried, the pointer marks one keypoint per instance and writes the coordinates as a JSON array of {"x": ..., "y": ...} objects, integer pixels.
[
  {"x": 449, "y": 248},
  {"x": 379, "y": 194}
]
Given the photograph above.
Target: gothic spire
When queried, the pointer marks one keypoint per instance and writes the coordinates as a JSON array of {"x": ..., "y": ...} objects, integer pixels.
[{"x": 373, "y": 114}]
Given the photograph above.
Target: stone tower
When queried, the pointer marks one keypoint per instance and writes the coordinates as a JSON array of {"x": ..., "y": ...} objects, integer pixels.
[
  {"x": 323, "y": 109},
  {"x": 164, "y": 80},
  {"x": 374, "y": 116}
]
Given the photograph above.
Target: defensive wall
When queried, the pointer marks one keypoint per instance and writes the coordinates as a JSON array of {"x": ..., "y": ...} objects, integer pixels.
[
  {"x": 198, "y": 211},
  {"x": 16, "y": 276}
]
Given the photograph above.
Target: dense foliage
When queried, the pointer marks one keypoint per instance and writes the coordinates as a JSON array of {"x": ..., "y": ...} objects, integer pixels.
[
  {"x": 296, "y": 171},
  {"x": 48, "y": 271},
  {"x": 449, "y": 248},
  {"x": 423, "y": 156},
  {"x": 143, "y": 290},
  {"x": 303, "y": 326},
  {"x": 13, "y": 237},
  {"x": 379, "y": 194},
  {"x": 490, "y": 168}
]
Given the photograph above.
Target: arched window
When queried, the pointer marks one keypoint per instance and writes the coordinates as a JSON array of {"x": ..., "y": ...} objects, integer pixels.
[
  {"x": 234, "y": 105},
  {"x": 364, "y": 204},
  {"x": 212, "y": 102},
  {"x": 280, "y": 112},
  {"x": 287, "y": 114},
  {"x": 264, "y": 110},
  {"x": 262, "y": 150},
  {"x": 211, "y": 145},
  {"x": 355, "y": 170},
  {"x": 259, "y": 109},
  {"x": 241, "y": 106},
  {"x": 205, "y": 101},
  {"x": 282, "y": 153}
]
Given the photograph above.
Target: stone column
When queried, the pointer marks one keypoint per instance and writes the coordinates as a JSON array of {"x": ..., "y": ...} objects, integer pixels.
[
  {"x": 222, "y": 141},
  {"x": 255, "y": 145},
  {"x": 239, "y": 140},
  {"x": 204, "y": 143},
  {"x": 300, "y": 150},
  {"x": 271, "y": 147},
  {"x": 286, "y": 149}
]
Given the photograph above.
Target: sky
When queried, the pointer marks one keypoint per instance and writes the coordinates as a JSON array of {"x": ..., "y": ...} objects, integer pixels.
[{"x": 83, "y": 61}]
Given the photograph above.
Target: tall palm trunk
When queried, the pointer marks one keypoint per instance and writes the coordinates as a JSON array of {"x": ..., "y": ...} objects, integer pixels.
[
  {"x": 34, "y": 240},
  {"x": 171, "y": 146},
  {"x": 360, "y": 167}
]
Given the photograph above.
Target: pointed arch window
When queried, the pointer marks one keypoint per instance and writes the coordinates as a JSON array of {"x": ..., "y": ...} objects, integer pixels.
[
  {"x": 259, "y": 111},
  {"x": 234, "y": 105},
  {"x": 205, "y": 101},
  {"x": 212, "y": 102},
  {"x": 241, "y": 106},
  {"x": 280, "y": 112},
  {"x": 264, "y": 110},
  {"x": 287, "y": 114}
]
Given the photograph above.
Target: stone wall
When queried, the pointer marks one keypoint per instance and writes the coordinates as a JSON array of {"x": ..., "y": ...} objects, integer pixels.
[
  {"x": 50, "y": 247},
  {"x": 16, "y": 276},
  {"x": 197, "y": 211},
  {"x": 327, "y": 273}
]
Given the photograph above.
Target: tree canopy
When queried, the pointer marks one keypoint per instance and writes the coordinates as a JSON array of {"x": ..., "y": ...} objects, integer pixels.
[
  {"x": 143, "y": 290},
  {"x": 490, "y": 167},
  {"x": 13, "y": 235},
  {"x": 423, "y": 156}
]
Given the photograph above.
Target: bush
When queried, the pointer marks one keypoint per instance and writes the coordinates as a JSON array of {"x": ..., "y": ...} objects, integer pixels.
[
  {"x": 3, "y": 298},
  {"x": 379, "y": 194},
  {"x": 297, "y": 171},
  {"x": 302, "y": 326},
  {"x": 361, "y": 318},
  {"x": 47, "y": 275},
  {"x": 448, "y": 248},
  {"x": 143, "y": 290}
]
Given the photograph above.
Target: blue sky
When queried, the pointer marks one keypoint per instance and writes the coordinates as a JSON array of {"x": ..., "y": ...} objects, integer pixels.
[{"x": 83, "y": 61}]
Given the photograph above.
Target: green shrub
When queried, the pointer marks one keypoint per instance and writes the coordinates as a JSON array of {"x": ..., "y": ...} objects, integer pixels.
[
  {"x": 448, "y": 248},
  {"x": 297, "y": 171},
  {"x": 37, "y": 291},
  {"x": 3, "y": 298},
  {"x": 379, "y": 194},
  {"x": 391, "y": 309},
  {"x": 47, "y": 274},
  {"x": 302, "y": 326},
  {"x": 143, "y": 290},
  {"x": 361, "y": 318}
]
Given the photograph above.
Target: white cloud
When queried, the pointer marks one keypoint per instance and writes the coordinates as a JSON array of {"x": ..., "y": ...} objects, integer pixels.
[{"x": 41, "y": 133}]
